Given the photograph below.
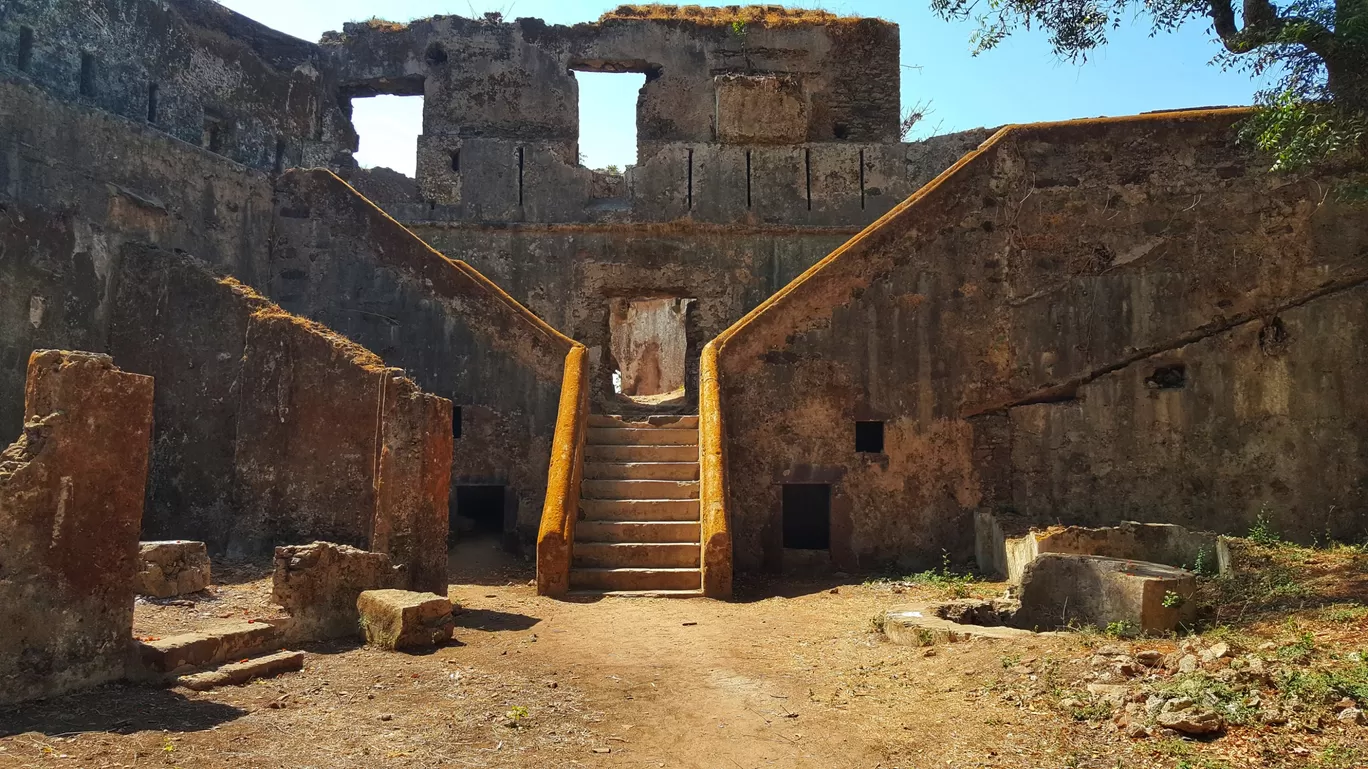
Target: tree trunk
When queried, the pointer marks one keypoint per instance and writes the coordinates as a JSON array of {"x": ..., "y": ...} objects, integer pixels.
[{"x": 1346, "y": 66}]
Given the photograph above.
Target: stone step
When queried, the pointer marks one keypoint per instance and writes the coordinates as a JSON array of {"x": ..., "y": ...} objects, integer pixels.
[
  {"x": 639, "y": 510},
  {"x": 239, "y": 673},
  {"x": 600, "y": 489},
  {"x": 636, "y": 579},
  {"x": 636, "y": 531},
  {"x": 631, "y": 453},
  {"x": 636, "y": 555},
  {"x": 635, "y": 593},
  {"x": 641, "y": 471},
  {"x": 211, "y": 646},
  {"x": 641, "y": 436},
  {"x": 667, "y": 421}
]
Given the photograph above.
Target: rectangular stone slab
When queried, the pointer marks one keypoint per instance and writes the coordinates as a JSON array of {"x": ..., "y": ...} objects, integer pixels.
[
  {"x": 397, "y": 619},
  {"x": 1059, "y": 590}
]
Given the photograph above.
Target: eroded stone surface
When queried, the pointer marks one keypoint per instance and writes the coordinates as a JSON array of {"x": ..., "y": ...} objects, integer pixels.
[
  {"x": 172, "y": 568},
  {"x": 1062, "y": 590},
  {"x": 400, "y": 619},
  {"x": 319, "y": 584},
  {"x": 71, "y": 501}
]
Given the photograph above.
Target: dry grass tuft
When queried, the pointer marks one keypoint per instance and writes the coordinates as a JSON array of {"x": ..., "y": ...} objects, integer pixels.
[{"x": 764, "y": 15}]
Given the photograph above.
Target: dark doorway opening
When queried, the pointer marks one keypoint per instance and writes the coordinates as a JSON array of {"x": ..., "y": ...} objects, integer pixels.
[
  {"x": 807, "y": 516},
  {"x": 479, "y": 511}
]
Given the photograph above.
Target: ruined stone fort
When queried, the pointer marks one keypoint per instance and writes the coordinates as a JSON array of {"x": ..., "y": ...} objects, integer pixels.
[{"x": 784, "y": 341}]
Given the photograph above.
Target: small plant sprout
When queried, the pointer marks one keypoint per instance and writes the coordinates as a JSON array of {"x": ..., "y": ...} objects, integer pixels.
[{"x": 1173, "y": 600}]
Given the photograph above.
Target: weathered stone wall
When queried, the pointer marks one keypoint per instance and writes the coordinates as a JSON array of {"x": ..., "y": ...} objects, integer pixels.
[
  {"x": 71, "y": 500},
  {"x": 1017, "y": 327},
  {"x": 191, "y": 68},
  {"x": 338, "y": 259}
]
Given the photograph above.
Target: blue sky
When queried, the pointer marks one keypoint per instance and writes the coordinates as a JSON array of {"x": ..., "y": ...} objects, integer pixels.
[{"x": 1021, "y": 81}]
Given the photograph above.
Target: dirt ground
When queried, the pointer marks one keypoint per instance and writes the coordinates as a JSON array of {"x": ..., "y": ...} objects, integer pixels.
[{"x": 787, "y": 675}]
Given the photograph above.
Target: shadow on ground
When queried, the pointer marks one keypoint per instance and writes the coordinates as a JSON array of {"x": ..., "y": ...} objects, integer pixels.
[
  {"x": 118, "y": 708},
  {"x": 488, "y": 619}
]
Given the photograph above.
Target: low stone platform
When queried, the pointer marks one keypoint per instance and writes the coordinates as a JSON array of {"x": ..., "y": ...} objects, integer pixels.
[
  {"x": 1061, "y": 590},
  {"x": 171, "y": 568},
  {"x": 399, "y": 619},
  {"x": 215, "y": 645},
  {"x": 238, "y": 673}
]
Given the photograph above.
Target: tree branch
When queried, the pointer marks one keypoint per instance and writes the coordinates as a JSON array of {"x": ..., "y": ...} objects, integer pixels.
[{"x": 1263, "y": 25}]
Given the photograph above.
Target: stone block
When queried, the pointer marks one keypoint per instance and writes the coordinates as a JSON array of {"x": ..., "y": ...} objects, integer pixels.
[
  {"x": 1004, "y": 547},
  {"x": 1059, "y": 590},
  {"x": 922, "y": 626},
  {"x": 71, "y": 501},
  {"x": 398, "y": 619},
  {"x": 174, "y": 567},
  {"x": 319, "y": 584},
  {"x": 414, "y": 484}
]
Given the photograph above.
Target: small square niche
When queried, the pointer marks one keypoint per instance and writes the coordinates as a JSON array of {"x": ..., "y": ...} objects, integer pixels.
[{"x": 869, "y": 437}]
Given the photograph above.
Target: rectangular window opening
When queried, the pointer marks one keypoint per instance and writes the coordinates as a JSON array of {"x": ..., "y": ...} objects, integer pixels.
[
  {"x": 478, "y": 511},
  {"x": 1168, "y": 378},
  {"x": 152, "y": 94},
  {"x": 387, "y": 130},
  {"x": 869, "y": 437},
  {"x": 608, "y": 117},
  {"x": 456, "y": 422},
  {"x": 87, "y": 74},
  {"x": 807, "y": 516},
  {"x": 279, "y": 164},
  {"x": 212, "y": 138},
  {"x": 25, "y": 48}
]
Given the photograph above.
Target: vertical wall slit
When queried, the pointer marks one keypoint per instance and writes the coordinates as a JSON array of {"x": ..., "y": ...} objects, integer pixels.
[
  {"x": 748, "y": 178},
  {"x": 280, "y": 155},
  {"x": 152, "y": 94},
  {"x": 25, "y": 48},
  {"x": 87, "y": 74},
  {"x": 807, "y": 173},
  {"x": 862, "y": 180},
  {"x": 689, "y": 194},
  {"x": 520, "y": 176}
]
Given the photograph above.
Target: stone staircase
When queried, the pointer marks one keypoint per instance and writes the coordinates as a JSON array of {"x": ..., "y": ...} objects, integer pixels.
[{"x": 638, "y": 531}]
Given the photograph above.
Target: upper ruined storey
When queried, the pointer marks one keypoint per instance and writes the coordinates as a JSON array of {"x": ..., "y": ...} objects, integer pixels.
[{"x": 754, "y": 113}]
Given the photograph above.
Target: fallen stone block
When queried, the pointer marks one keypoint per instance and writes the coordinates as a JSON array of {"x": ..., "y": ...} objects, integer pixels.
[
  {"x": 172, "y": 568},
  {"x": 1004, "y": 546},
  {"x": 72, "y": 489},
  {"x": 920, "y": 626},
  {"x": 1061, "y": 590},
  {"x": 319, "y": 584},
  {"x": 238, "y": 673},
  {"x": 399, "y": 619},
  {"x": 211, "y": 646}
]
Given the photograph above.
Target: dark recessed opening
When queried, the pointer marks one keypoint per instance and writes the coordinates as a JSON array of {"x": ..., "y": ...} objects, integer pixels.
[
  {"x": 869, "y": 437},
  {"x": 456, "y": 422},
  {"x": 456, "y": 161},
  {"x": 436, "y": 55},
  {"x": 807, "y": 516},
  {"x": 478, "y": 510},
  {"x": 87, "y": 74},
  {"x": 1168, "y": 378},
  {"x": 212, "y": 137},
  {"x": 25, "y": 48},
  {"x": 279, "y": 164},
  {"x": 152, "y": 93},
  {"x": 840, "y": 130}
]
